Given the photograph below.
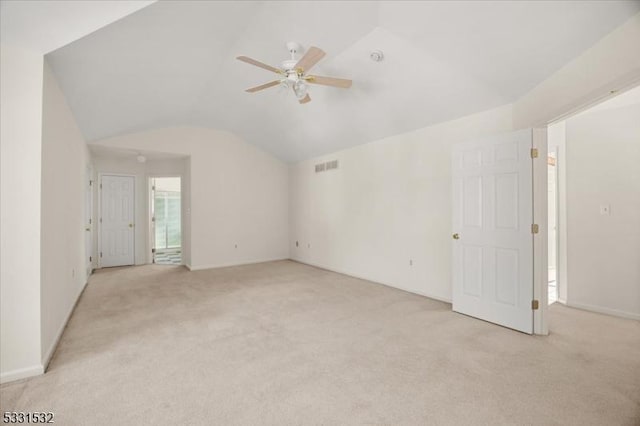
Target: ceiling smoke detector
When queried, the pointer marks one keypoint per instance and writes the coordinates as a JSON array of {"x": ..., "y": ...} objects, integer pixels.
[{"x": 376, "y": 55}]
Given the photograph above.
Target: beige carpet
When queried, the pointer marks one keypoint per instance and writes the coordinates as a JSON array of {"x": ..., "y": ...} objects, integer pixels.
[{"x": 283, "y": 343}]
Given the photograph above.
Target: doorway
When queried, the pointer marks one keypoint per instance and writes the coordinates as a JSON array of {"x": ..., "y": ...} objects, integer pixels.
[
  {"x": 166, "y": 220},
  {"x": 552, "y": 223}
]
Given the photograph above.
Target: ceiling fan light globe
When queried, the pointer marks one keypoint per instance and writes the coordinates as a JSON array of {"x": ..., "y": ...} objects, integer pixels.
[{"x": 300, "y": 89}]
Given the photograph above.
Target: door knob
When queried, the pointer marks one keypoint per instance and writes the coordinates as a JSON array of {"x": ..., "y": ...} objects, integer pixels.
[
  {"x": 456, "y": 236},
  {"x": 87, "y": 229},
  {"x": 131, "y": 225}
]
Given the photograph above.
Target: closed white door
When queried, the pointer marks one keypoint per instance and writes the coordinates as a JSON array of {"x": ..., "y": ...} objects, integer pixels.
[
  {"x": 117, "y": 224},
  {"x": 492, "y": 226}
]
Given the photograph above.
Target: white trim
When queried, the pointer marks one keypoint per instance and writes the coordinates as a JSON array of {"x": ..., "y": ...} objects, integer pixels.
[
  {"x": 226, "y": 265},
  {"x": 47, "y": 358},
  {"x": 606, "y": 311},
  {"x": 91, "y": 224},
  {"x": 21, "y": 373},
  {"x": 540, "y": 240},
  {"x": 374, "y": 281},
  {"x": 99, "y": 221},
  {"x": 556, "y": 219},
  {"x": 623, "y": 84}
]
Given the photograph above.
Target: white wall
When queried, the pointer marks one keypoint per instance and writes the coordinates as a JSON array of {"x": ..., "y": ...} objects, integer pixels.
[
  {"x": 388, "y": 203},
  {"x": 105, "y": 164},
  {"x": 27, "y": 34},
  {"x": 65, "y": 158},
  {"x": 390, "y": 200},
  {"x": 21, "y": 74},
  {"x": 603, "y": 251},
  {"x": 238, "y": 194}
]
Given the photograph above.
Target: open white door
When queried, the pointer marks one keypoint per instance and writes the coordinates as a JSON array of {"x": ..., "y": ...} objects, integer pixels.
[
  {"x": 116, "y": 221},
  {"x": 492, "y": 225}
]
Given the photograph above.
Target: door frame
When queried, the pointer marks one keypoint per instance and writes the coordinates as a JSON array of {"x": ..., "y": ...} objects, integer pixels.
[
  {"x": 90, "y": 214},
  {"x": 540, "y": 240},
  {"x": 99, "y": 218},
  {"x": 150, "y": 224},
  {"x": 556, "y": 172}
]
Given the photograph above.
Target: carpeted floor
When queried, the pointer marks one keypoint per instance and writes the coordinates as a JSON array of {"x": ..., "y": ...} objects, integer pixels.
[{"x": 282, "y": 343}]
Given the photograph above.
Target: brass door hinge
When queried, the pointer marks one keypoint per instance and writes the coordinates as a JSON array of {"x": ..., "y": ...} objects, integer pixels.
[
  {"x": 534, "y": 305},
  {"x": 534, "y": 152},
  {"x": 534, "y": 228}
]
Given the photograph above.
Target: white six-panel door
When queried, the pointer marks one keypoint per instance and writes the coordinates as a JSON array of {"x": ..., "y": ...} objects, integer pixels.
[
  {"x": 492, "y": 239},
  {"x": 117, "y": 224}
]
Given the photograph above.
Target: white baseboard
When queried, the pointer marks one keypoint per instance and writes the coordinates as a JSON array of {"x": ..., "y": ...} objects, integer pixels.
[
  {"x": 21, "y": 373},
  {"x": 375, "y": 281},
  {"x": 606, "y": 311},
  {"x": 226, "y": 265},
  {"x": 54, "y": 344}
]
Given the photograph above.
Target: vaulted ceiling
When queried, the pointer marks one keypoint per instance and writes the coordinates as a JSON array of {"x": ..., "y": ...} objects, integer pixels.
[{"x": 173, "y": 63}]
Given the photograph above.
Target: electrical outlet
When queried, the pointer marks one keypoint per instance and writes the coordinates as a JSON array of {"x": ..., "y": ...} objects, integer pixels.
[
  {"x": 410, "y": 262},
  {"x": 236, "y": 246}
]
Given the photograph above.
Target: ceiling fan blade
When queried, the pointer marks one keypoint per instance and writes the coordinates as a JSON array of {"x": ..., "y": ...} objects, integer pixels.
[
  {"x": 310, "y": 58},
  {"x": 305, "y": 99},
  {"x": 329, "y": 81},
  {"x": 248, "y": 60},
  {"x": 263, "y": 86}
]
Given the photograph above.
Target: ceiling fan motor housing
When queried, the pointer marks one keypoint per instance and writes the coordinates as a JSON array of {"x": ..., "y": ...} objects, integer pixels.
[{"x": 289, "y": 64}]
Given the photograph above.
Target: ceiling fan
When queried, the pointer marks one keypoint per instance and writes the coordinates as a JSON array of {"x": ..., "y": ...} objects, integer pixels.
[{"x": 293, "y": 73}]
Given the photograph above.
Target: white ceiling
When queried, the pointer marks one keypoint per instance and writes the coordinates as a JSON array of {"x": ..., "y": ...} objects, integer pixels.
[
  {"x": 47, "y": 25},
  {"x": 173, "y": 63}
]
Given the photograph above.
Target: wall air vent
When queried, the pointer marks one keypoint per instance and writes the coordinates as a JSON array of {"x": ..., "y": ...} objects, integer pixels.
[{"x": 329, "y": 165}]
